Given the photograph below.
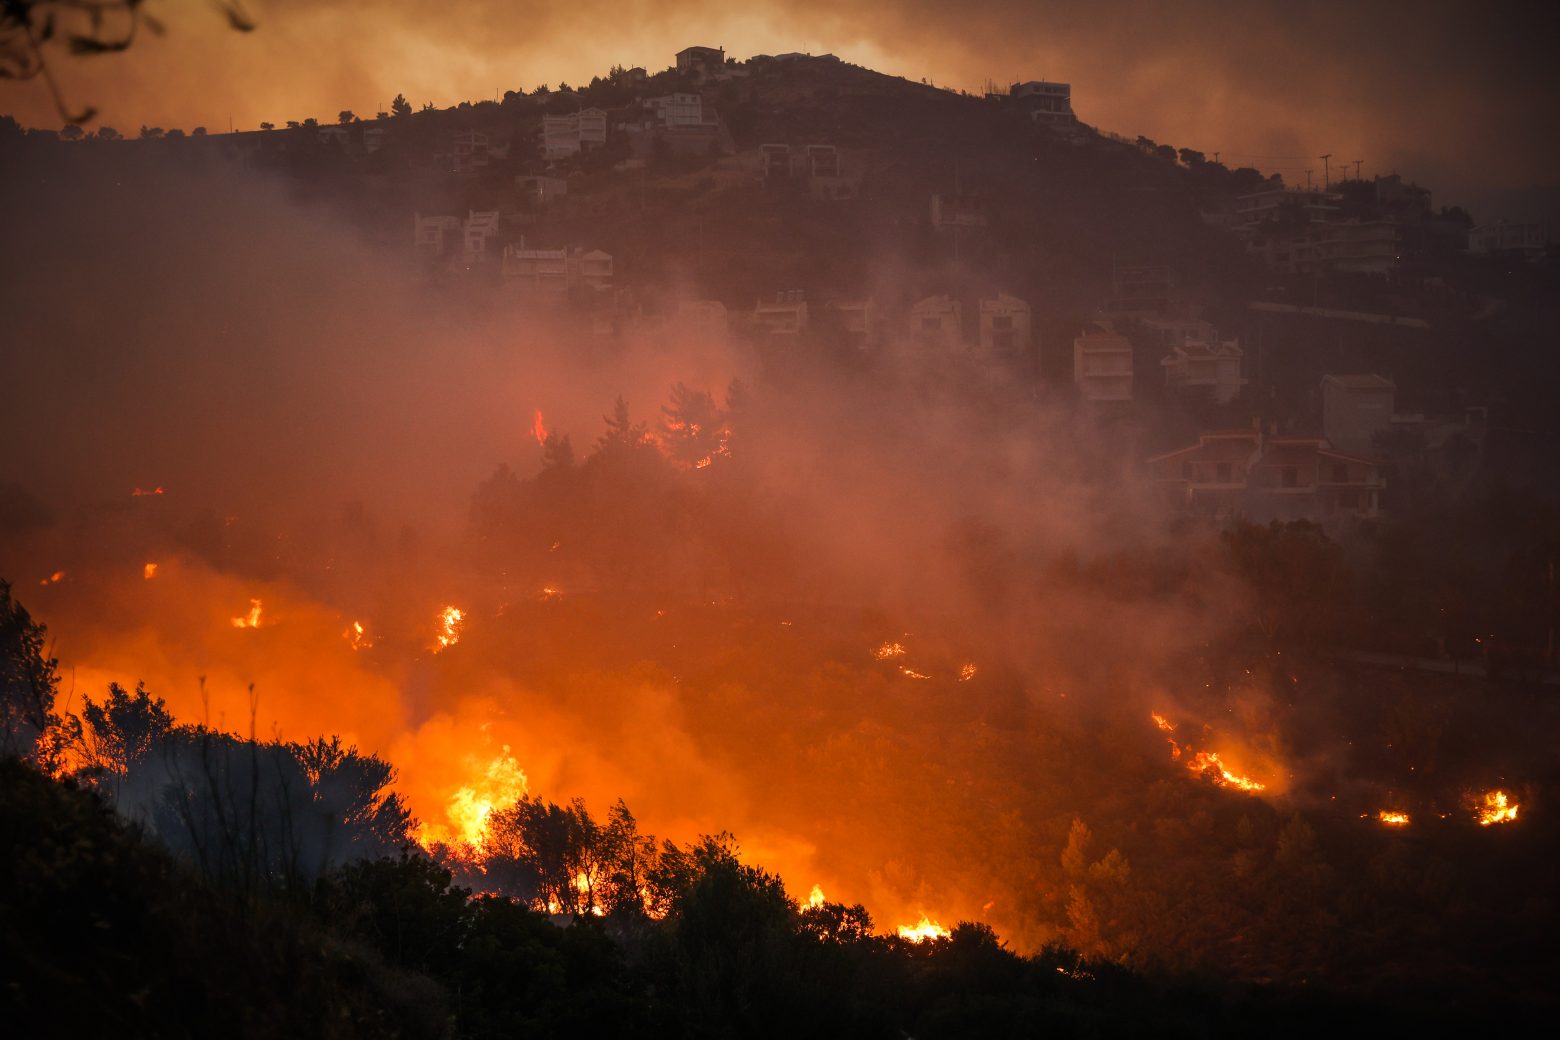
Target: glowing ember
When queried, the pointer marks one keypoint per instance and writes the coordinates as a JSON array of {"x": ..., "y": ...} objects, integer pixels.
[
  {"x": 912, "y": 673},
  {"x": 1495, "y": 807},
  {"x": 53, "y": 579},
  {"x": 451, "y": 621},
  {"x": 357, "y": 638},
  {"x": 252, "y": 619},
  {"x": 702, "y": 463},
  {"x": 143, "y": 492},
  {"x": 966, "y": 672},
  {"x": 926, "y": 929},
  {"x": 501, "y": 783},
  {"x": 1208, "y": 763},
  {"x": 815, "y": 897},
  {"x": 149, "y": 571},
  {"x": 539, "y": 428},
  {"x": 550, "y": 593},
  {"x": 1162, "y": 722},
  {"x": 1394, "y": 819},
  {"x": 888, "y": 650}
]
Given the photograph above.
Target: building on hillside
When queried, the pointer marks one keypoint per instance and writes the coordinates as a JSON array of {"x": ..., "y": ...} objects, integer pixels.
[
  {"x": 373, "y": 139},
  {"x": 569, "y": 135},
  {"x": 937, "y": 323},
  {"x": 1141, "y": 291},
  {"x": 635, "y": 76},
  {"x": 480, "y": 229},
  {"x": 705, "y": 319},
  {"x": 1355, "y": 408},
  {"x": 1198, "y": 360},
  {"x": 678, "y": 110},
  {"x": 539, "y": 190},
  {"x": 1102, "y": 365},
  {"x": 557, "y": 270},
  {"x": 858, "y": 321},
  {"x": 826, "y": 172},
  {"x": 336, "y": 135},
  {"x": 1004, "y": 324},
  {"x": 1279, "y": 205},
  {"x": 701, "y": 62},
  {"x": 469, "y": 151},
  {"x": 433, "y": 234},
  {"x": 963, "y": 210},
  {"x": 786, "y": 315},
  {"x": 1501, "y": 238},
  {"x": 1244, "y": 473},
  {"x": 1043, "y": 101},
  {"x": 1392, "y": 192}
]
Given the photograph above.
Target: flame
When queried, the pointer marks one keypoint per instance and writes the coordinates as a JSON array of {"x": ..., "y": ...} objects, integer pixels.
[
  {"x": 356, "y": 637},
  {"x": 451, "y": 621},
  {"x": 1162, "y": 722},
  {"x": 501, "y": 783},
  {"x": 1392, "y": 818},
  {"x": 252, "y": 620},
  {"x": 1208, "y": 763},
  {"x": 143, "y": 492},
  {"x": 924, "y": 930},
  {"x": 149, "y": 571},
  {"x": 538, "y": 427},
  {"x": 888, "y": 650},
  {"x": 1495, "y": 807},
  {"x": 815, "y": 897},
  {"x": 550, "y": 593},
  {"x": 967, "y": 671},
  {"x": 702, "y": 463},
  {"x": 912, "y": 673},
  {"x": 53, "y": 579}
]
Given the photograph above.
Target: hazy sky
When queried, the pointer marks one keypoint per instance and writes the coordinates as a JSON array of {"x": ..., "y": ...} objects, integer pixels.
[{"x": 1457, "y": 95}]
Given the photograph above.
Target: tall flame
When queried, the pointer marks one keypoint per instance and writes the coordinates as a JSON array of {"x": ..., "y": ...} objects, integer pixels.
[
  {"x": 539, "y": 427},
  {"x": 924, "y": 930},
  {"x": 149, "y": 571},
  {"x": 451, "y": 621},
  {"x": 815, "y": 897},
  {"x": 1496, "y": 807},
  {"x": 250, "y": 620},
  {"x": 500, "y": 783}
]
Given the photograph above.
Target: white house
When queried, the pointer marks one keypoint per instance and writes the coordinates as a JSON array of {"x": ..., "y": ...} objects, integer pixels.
[
  {"x": 1102, "y": 364},
  {"x": 568, "y": 135},
  {"x": 1004, "y": 324},
  {"x": 1198, "y": 358},
  {"x": 481, "y": 228},
  {"x": 557, "y": 270},
  {"x": 1529, "y": 240},
  {"x": 674, "y": 110},
  {"x": 1043, "y": 101},
  {"x": 786, "y": 315},
  {"x": 937, "y": 322}
]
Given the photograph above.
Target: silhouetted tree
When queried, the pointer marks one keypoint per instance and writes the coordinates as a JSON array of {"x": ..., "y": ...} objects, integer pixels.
[{"x": 27, "y": 683}]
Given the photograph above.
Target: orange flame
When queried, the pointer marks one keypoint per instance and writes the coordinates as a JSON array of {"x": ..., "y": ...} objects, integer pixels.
[
  {"x": 888, "y": 650},
  {"x": 539, "y": 428},
  {"x": 923, "y": 931},
  {"x": 500, "y": 783},
  {"x": 252, "y": 619},
  {"x": 1393, "y": 818},
  {"x": 815, "y": 897},
  {"x": 143, "y": 492},
  {"x": 912, "y": 673},
  {"x": 53, "y": 579},
  {"x": 1496, "y": 807},
  {"x": 149, "y": 571},
  {"x": 1208, "y": 763},
  {"x": 1162, "y": 722},
  {"x": 356, "y": 637},
  {"x": 451, "y": 621},
  {"x": 967, "y": 671}
]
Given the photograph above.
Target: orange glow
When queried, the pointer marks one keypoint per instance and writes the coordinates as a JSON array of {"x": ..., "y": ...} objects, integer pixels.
[
  {"x": 53, "y": 579},
  {"x": 252, "y": 619},
  {"x": 500, "y": 783},
  {"x": 549, "y": 593},
  {"x": 1394, "y": 819},
  {"x": 1162, "y": 722},
  {"x": 967, "y": 672},
  {"x": 1209, "y": 764},
  {"x": 1494, "y": 807},
  {"x": 149, "y": 571},
  {"x": 815, "y": 897},
  {"x": 143, "y": 492},
  {"x": 702, "y": 463},
  {"x": 451, "y": 621},
  {"x": 888, "y": 650},
  {"x": 356, "y": 637},
  {"x": 912, "y": 673},
  {"x": 539, "y": 427},
  {"x": 924, "y": 930}
]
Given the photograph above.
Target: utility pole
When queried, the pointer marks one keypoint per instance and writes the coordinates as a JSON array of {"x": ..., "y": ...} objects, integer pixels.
[
  {"x": 1326, "y": 171},
  {"x": 1357, "y": 168},
  {"x": 1308, "y": 179},
  {"x": 1216, "y": 158}
]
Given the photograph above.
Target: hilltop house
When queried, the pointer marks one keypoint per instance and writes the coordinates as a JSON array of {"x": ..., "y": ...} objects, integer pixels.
[
  {"x": 1043, "y": 102},
  {"x": 700, "y": 62},
  {"x": 1004, "y": 324},
  {"x": 1102, "y": 364},
  {"x": 1244, "y": 473},
  {"x": 937, "y": 323}
]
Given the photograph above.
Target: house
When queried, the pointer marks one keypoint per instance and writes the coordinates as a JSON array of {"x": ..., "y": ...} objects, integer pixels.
[
  {"x": 336, "y": 135},
  {"x": 556, "y": 270},
  {"x": 677, "y": 110},
  {"x": 821, "y": 166},
  {"x": 1102, "y": 364},
  {"x": 480, "y": 228},
  {"x": 541, "y": 190},
  {"x": 1042, "y": 101},
  {"x": 786, "y": 315},
  {"x": 468, "y": 151},
  {"x": 1004, "y": 324},
  {"x": 1525, "y": 240},
  {"x": 373, "y": 139},
  {"x": 858, "y": 320},
  {"x": 592, "y": 269},
  {"x": 1242, "y": 472},
  {"x": 432, "y": 234},
  {"x": 937, "y": 323},
  {"x": 635, "y": 75},
  {"x": 704, "y": 319},
  {"x": 569, "y": 135},
  {"x": 959, "y": 210},
  {"x": 1355, "y": 408},
  {"x": 701, "y": 61},
  {"x": 1198, "y": 360}
]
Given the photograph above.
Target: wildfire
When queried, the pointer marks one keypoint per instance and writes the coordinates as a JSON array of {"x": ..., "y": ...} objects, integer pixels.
[
  {"x": 149, "y": 571},
  {"x": 702, "y": 463},
  {"x": 924, "y": 930},
  {"x": 1163, "y": 723},
  {"x": 53, "y": 579},
  {"x": 502, "y": 782},
  {"x": 967, "y": 672},
  {"x": 451, "y": 621},
  {"x": 1208, "y": 763},
  {"x": 549, "y": 593},
  {"x": 356, "y": 637},
  {"x": 1393, "y": 818},
  {"x": 1494, "y": 807},
  {"x": 888, "y": 650},
  {"x": 539, "y": 428},
  {"x": 911, "y": 673},
  {"x": 141, "y": 492},
  {"x": 815, "y": 897},
  {"x": 252, "y": 619}
]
